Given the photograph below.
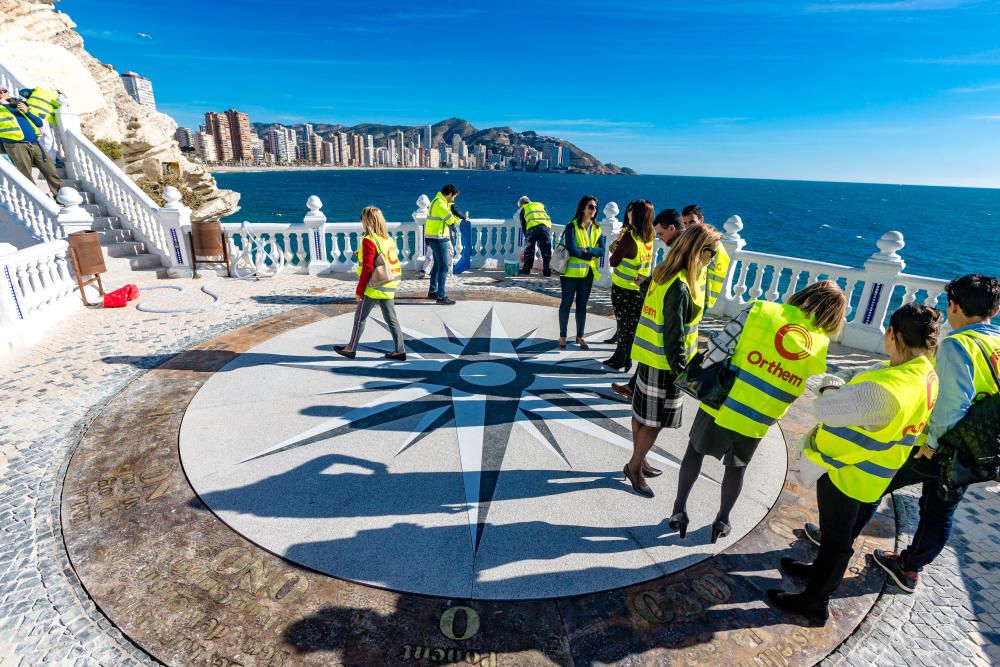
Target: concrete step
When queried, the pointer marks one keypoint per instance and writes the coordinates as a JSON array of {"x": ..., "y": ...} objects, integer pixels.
[
  {"x": 126, "y": 249},
  {"x": 113, "y": 236},
  {"x": 106, "y": 222},
  {"x": 96, "y": 210},
  {"x": 125, "y": 265},
  {"x": 70, "y": 183}
]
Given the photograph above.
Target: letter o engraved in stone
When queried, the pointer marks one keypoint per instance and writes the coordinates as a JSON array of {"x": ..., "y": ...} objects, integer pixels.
[
  {"x": 788, "y": 518},
  {"x": 653, "y": 608},
  {"x": 287, "y": 587},
  {"x": 685, "y": 605},
  {"x": 448, "y": 624},
  {"x": 712, "y": 589},
  {"x": 232, "y": 560}
]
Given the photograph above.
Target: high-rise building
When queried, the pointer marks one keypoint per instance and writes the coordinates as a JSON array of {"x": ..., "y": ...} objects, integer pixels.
[
  {"x": 327, "y": 152},
  {"x": 401, "y": 147},
  {"x": 316, "y": 148},
  {"x": 427, "y": 137},
  {"x": 240, "y": 131},
  {"x": 217, "y": 125},
  {"x": 256, "y": 148},
  {"x": 183, "y": 137},
  {"x": 139, "y": 89},
  {"x": 564, "y": 159},
  {"x": 276, "y": 143},
  {"x": 204, "y": 144},
  {"x": 369, "y": 150}
]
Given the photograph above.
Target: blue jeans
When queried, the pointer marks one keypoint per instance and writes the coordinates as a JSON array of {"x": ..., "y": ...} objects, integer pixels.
[
  {"x": 936, "y": 515},
  {"x": 574, "y": 290},
  {"x": 439, "y": 272}
]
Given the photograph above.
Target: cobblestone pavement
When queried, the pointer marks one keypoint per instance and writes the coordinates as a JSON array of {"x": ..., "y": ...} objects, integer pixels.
[{"x": 53, "y": 389}]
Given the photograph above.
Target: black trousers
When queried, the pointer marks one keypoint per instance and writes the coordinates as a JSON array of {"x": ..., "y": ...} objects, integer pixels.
[
  {"x": 542, "y": 236},
  {"x": 628, "y": 310},
  {"x": 841, "y": 519}
]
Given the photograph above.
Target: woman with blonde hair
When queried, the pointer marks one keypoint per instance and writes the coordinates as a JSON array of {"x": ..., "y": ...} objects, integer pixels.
[
  {"x": 376, "y": 243},
  {"x": 774, "y": 348},
  {"x": 665, "y": 340}
]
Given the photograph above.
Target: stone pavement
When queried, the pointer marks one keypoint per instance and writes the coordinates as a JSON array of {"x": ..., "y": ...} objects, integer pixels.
[{"x": 52, "y": 390}]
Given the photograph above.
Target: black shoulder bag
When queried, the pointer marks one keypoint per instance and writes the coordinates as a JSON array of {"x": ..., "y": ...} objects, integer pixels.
[
  {"x": 970, "y": 451},
  {"x": 710, "y": 385}
]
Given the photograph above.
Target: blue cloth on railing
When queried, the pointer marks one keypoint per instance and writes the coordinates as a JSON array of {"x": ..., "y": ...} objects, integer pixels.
[{"x": 464, "y": 262}]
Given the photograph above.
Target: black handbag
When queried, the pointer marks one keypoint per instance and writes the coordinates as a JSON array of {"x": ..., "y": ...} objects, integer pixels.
[
  {"x": 970, "y": 451},
  {"x": 710, "y": 384}
]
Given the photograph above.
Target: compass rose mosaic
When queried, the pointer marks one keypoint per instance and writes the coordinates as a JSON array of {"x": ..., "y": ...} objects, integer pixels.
[{"x": 486, "y": 465}]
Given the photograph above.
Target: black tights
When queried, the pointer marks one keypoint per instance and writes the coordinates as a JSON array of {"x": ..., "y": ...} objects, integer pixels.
[{"x": 732, "y": 483}]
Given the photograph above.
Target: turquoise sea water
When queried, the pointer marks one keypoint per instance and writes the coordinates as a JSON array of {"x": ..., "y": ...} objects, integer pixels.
[{"x": 948, "y": 231}]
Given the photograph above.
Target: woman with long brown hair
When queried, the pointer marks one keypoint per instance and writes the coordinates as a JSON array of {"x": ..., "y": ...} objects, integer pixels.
[
  {"x": 585, "y": 244},
  {"x": 631, "y": 263},
  {"x": 665, "y": 340},
  {"x": 794, "y": 334}
]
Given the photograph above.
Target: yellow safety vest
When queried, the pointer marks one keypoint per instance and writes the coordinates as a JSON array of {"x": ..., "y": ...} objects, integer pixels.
[
  {"x": 534, "y": 215},
  {"x": 439, "y": 218},
  {"x": 647, "y": 347},
  {"x": 861, "y": 462},
  {"x": 387, "y": 248},
  {"x": 778, "y": 349},
  {"x": 639, "y": 265},
  {"x": 982, "y": 379},
  {"x": 43, "y": 103},
  {"x": 10, "y": 129},
  {"x": 717, "y": 273},
  {"x": 580, "y": 268}
]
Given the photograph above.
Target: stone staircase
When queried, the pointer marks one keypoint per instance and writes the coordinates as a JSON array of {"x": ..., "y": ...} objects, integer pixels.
[{"x": 123, "y": 253}]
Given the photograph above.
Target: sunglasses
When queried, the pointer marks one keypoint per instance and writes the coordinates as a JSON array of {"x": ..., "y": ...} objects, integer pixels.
[
  {"x": 711, "y": 251},
  {"x": 591, "y": 207}
]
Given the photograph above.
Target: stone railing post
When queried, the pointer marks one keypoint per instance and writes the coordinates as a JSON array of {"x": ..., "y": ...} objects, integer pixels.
[
  {"x": 72, "y": 218},
  {"x": 610, "y": 227},
  {"x": 420, "y": 219},
  {"x": 175, "y": 218},
  {"x": 68, "y": 121},
  {"x": 866, "y": 329},
  {"x": 11, "y": 310},
  {"x": 729, "y": 301},
  {"x": 315, "y": 220}
]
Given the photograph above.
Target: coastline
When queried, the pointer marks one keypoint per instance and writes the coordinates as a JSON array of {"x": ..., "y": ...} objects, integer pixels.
[{"x": 257, "y": 168}]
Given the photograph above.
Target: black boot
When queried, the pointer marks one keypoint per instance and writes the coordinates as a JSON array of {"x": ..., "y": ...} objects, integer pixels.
[
  {"x": 815, "y": 611},
  {"x": 797, "y": 568}
]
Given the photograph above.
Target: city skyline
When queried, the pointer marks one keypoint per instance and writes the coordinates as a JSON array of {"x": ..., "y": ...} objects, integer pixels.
[{"x": 855, "y": 91}]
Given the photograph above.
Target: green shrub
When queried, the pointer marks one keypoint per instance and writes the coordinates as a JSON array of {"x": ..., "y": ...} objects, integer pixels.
[
  {"x": 154, "y": 188},
  {"x": 113, "y": 149}
]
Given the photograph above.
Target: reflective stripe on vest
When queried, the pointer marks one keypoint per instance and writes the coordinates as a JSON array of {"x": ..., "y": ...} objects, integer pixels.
[
  {"x": 439, "y": 218},
  {"x": 387, "y": 248},
  {"x": 648, "y": 344},
  {"x": 717, "y": 273},
  {"x": 534, "y": 215},
  {"x": 861, "y": 462},
  {"x": 10, "y": 129},
  {"x": 579, "y": 268},
  {"x": 43, "y": 103},
  {"x": 639, "y": 265},
  {"x": 778, "y": 349}
]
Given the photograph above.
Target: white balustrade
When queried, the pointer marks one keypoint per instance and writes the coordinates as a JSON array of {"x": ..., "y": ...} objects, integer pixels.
[
  {"x": 25, "y": 204},
  {"x": 37, "y": 288}
]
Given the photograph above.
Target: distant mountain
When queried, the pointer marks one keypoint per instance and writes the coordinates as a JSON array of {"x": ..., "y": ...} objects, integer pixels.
[{"x": 497, "y": 139}]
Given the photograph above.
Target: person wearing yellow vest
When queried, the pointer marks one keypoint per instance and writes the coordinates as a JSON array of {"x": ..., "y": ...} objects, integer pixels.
[
  {"x": 718, "y": 270},
  {"x": 442, "y": 216},
  {"x": 536, "y": 225},
  {"x": 585, "y": 244},
  {"x": 19, "y": 130},
  {"x": 964, "y": 378},
  {"x": 860, "y": 453},
  {"x": 631, "y": 265},
  {"x": 376, "y": 242},
  {"x": 665, "y": 340},
  {"x": 773, "y": 349},
  {"x": 42, "y": 102}
]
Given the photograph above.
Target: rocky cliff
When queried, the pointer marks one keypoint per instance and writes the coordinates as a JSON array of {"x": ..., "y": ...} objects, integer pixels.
[{"x": 40, "y": 42}]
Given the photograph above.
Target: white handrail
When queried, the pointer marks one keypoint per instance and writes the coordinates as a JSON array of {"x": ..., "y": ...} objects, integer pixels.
[
  {"x": 37, "y": 288},
  {"x": 26, "y": 203}
]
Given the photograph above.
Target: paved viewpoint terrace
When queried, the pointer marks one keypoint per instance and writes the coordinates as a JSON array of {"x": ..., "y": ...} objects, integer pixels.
[{"x": 220, "y": 488}]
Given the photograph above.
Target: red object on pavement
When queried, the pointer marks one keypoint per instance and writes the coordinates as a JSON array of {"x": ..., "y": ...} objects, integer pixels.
[
  {"x": 132, "y": 291},
  {"x": 116, "y": 299}
]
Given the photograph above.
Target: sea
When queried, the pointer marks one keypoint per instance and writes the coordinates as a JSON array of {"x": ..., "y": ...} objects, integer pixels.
[{"x": 948, "y": 231}]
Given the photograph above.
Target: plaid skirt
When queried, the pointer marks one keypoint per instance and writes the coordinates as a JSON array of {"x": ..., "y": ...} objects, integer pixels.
[{"x": 656, "y": 401}]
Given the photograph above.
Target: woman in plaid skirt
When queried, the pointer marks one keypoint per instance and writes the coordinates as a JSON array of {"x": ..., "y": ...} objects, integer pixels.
[{"x": 665, "y": 340}]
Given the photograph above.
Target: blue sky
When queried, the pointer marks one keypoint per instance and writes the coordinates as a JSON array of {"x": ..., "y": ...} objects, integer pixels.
[{"x": 896, "y": 91}]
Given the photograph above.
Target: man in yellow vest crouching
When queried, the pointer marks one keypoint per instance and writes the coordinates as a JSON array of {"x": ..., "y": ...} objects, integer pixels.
[{"x": 536, "y": 225}]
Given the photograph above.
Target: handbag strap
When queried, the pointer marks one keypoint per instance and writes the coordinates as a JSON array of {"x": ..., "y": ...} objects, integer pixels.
[{"x": 989, "y": 362}]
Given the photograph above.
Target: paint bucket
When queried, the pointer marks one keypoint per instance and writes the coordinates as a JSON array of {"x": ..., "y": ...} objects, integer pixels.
[{"x": 510, "y": 267}]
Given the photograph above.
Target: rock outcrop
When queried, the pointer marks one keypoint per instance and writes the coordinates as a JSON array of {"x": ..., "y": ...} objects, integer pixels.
[{"x": 42, "y": 43}]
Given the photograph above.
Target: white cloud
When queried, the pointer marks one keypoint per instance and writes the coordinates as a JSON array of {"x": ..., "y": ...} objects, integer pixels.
[
  {"x": 891, "y": 6},
  {"x": 976, "y": 89},
  {"x": 987, "y": 117}
]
